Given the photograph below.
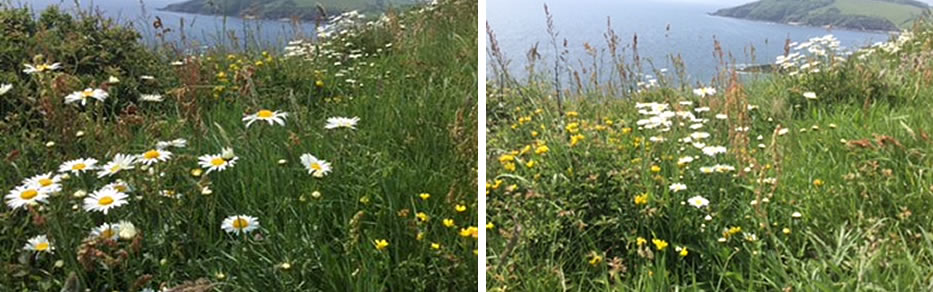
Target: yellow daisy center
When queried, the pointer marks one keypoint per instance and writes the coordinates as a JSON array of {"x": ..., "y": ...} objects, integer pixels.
[
  {"x": 79, "y": 166},
  {"x": 218, "y": 161},
  {"x": 28, "y": 194},
  {"x": 105, "y": 201},
  {"x": 152, "y": 154},
  {"x": 240, "y": 223},
  {"x": 87, "y": 93},
  {"x": 44, "y": 182},
  {"x": 316, "y": 166},
  {"x": 107, "y": 233},
  {"x": 265, "y": 114},
  {"x": 115, "y": 168},
  {"x": 42, "y": 246},
  {"x": 42, "y": 67}
]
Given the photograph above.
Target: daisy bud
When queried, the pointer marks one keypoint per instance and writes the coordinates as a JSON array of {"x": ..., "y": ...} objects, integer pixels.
[
  {"x": 50, "y": 144},
  {"x": 80, "y": 194},
  {"x": 79, "y": 134},
  {"x": 127, "y": 230},
  {"x": 227, "y": 154}
]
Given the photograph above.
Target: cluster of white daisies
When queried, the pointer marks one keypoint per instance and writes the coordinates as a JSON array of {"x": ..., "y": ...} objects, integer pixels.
[
  {"x": 36, "y": 190},
  {"x": 85, "y": 95}
]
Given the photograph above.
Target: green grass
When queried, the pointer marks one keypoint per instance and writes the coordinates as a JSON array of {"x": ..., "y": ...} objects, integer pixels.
[
  {"x": 416, "y": 101},
  {"x": 855, "y": 164}
]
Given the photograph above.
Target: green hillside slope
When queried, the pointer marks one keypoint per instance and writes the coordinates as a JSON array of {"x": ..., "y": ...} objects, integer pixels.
[
  {"x": 274, "y": 9},
  {"x": 851, "y": 14}
]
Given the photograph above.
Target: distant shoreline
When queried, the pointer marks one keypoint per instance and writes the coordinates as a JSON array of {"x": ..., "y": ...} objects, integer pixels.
[{"x": 811, "y": 26}]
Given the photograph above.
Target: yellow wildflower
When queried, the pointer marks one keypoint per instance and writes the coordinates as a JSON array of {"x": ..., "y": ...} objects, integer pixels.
[{"x": 659, "y": 244}]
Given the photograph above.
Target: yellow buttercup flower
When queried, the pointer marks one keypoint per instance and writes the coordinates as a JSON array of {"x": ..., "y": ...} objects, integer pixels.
[
  {"x": 595, "y": 259},
  {"x": 381, "y": 244},
  {"x": 542, "y": 149},
  {"x": 641, "y": 199},
  {"x": 460, "y": 208},
  {"x": 817, "y": 182},
  {"x": 506, "y": 158},
  {"x": 659, "y": 244},
  {"x": 449, "y": 223},
  {"x": 424, "y": 196},
  {"x": 640, "y": 241},
  {"x": 575, "y": 139}
]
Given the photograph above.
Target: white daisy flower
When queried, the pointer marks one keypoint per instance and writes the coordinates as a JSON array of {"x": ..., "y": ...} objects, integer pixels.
[
  {"x": 106, "y": 231},
  {"x": 713, "y": 150},
  {"x": 4, "y": 88},
  {"x": 151, "y": 98},
  {"x": 316, "y": 167},
  {"x": 216, "y": 162},
  {"x": 25, "y": 195},
  {"x": 47, "y": 182},
  {"x": 113, "y": 80},
  {"x": 701, "y": 109},
  {"x": 78, "y": 166},
  {"x": 704, "y": 91},
  {"x": 41, "y": 68},
  {"x": 676, "y": 187},
  {"x": 706, "y": 169},
  {"x": 177, "y": 143},
  {"x": 119, "y": 162},
  {"x": 684, "y": 160},
  {"x": 39, "y": 244},
  {"x": 240, "y": 224},
  {"x": 721, "y": 168},
  {"x": 119, "y": 186},
  {"x": 698, "y": 201},
  {"x": 154, "y": 156},
  {"x": 342, "y": 122},
  {"x": 699, "y": 135},
  {"x": 271, "y": 117},
  {"x": 104, "y": 199},
  {"x": 810, "y": 95},
  {"x": 82, "y": 96}
]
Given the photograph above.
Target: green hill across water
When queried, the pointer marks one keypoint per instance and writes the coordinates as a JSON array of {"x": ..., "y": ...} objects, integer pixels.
[
  {"x": 886, "y": 15},
  {"x": 277, "y": 9}
]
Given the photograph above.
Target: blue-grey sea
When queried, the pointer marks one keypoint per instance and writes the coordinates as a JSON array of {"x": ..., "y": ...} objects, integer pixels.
[
  {"x": 664, "y": 27},
  {"x": 200, "y": 30}
]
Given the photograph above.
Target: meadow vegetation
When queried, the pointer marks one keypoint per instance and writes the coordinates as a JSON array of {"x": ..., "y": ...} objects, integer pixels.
[
  {"x": 622, "y": 177},
  {"x": 346, "y": 162}
]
